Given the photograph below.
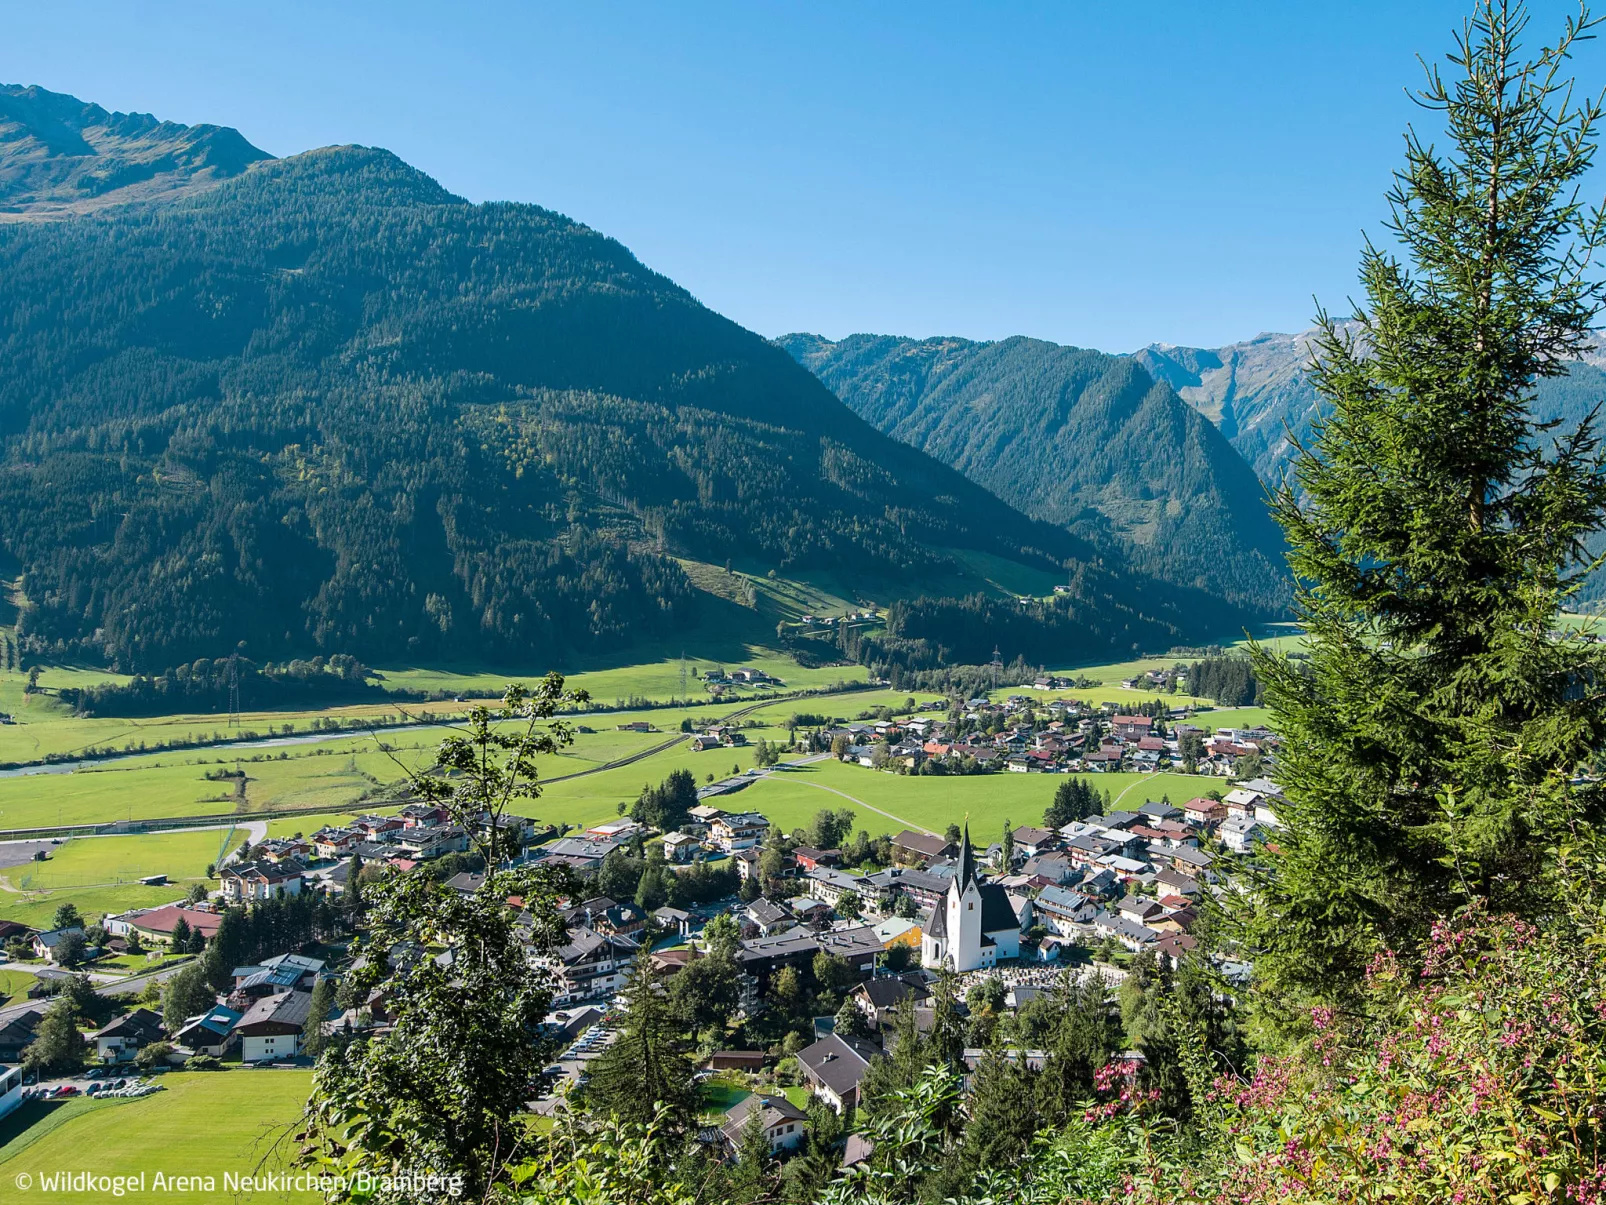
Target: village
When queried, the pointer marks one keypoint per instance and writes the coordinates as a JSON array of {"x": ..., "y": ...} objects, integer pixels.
[{"x": 852, "y": 933}]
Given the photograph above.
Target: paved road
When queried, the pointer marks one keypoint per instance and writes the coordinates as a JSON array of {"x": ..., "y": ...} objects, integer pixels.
[{"x": 132, "y": 985}]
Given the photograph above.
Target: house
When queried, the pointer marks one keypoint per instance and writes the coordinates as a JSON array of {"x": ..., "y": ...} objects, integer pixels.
[
  {"x": 809, "y": 910},
  {"x": 782, "y": 1121},
  {"x": 593, "y": 964},
  {"x": 923, "y": 887},
  {"x": 122, "y": 1039},
  {"x": 1065, "y": 912},
  {"x": 422, "y": 815},
  {"x": 157, "y": 924},
  {"x": 1056, "y": 868},
  {"x": 45, "y": 944},
  {"x": 1239, "y": 833},
  {"x": 583, "y": 854},
  {"x": 896, "y": 931},
  {"x": 808, "y": 858},
  {"x": 16, "y": 1032},
  {"x": 378, "y": 828},
  {"x": 974, "y": 925},
  {"x": 767, "y": 916},
  {"x": 703, "y": 742},
  {"x": 858, "y": 946},
  {"x": 681, "y": 847},
  {"x": 334, "y": 842},
  {"x": 249, "y": 881},
  {"x": 1241, "y": 802},
  {"x": 834, "y": 1067},
  {"x": 1132, "y": 728},
  {"x": 607, "y": 916},
  {"x": 920, "y": 849},
  {"x": 878, "y": 999},
  {"x": 270, "y": 1030},
  {"x": 1034, "y": 841},
  {"x": 427, "y": 842},
  {"x": 211, "y": 1032},
  {"x": 831, "y": 885},
  {"x": 741, "y": 830}
]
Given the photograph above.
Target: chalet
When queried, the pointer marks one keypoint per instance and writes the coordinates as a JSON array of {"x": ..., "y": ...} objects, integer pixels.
[
  {"x": 923, "y": 887},
  {"x": 1065, "y": 912},
  {"x": 703, "y": 742},
  {"x": 607, "y": 916},
  {"x": 1034, "y": 841},
  {"x": 1128, "y": 932},
  {"x": 783, "y": 1123},
  {"x": 834, "y": 1068},
  {"x": 681, "y": 847},
  {"x": 17, "y": 1033},
  {"x": 1137, "y": 908},
  {"x": 378, "y": 828},
  {"x": 1055, "y": 868},
  {"x": 808, "y": 858},
  {"x": 270, "y": 1030},
  {"x": 334, "y": 842},
  {"x": 761, "y": 957},
  {"x": 1239, "y": 833},
  {"x": 123, "y": 1038},
  {"x": 741, "y": 830},
  {"x": 1204, "y": 813},
  {"x": 1241, "y": 802},
  {"x": 920, "y": 849},
  {"x": 46, "y": 944},
  {"x": 810, "y": 911},
  {"x": 279, "y": 849},
  {"x": 767, "y": 917},
  {"x": 211, "y": 1032},
  {"x": 428, "y": 842},
  {"x": 878, "y": 999},
  {"x": 831, "y": 885},
  {"x": 592, "y": 964},
  {"x": 251, "y": 881},
  {"x": 423, "y": 815}
]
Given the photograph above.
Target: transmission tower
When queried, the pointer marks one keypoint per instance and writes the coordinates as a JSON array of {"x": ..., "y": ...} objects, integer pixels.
[
  {"x": 234, "y": 689},
  {"x": 683, "y": 694},
  {"x": 998, "y": 658}
]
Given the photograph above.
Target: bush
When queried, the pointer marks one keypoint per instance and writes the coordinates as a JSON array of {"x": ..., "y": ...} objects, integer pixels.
[{"x": 153, "y": 1056}]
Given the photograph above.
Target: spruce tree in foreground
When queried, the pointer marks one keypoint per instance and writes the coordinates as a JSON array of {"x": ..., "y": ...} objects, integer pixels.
[{"x": 1437, "y": 531}]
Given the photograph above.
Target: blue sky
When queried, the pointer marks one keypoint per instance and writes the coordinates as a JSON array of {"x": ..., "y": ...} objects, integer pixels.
[{"x": 1106, "y": 175}]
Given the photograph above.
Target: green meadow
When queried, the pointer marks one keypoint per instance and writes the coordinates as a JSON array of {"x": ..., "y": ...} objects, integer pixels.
[{"x": 202, "y": 1124}]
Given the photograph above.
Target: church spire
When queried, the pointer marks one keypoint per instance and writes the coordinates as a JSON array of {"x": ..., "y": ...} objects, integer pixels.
[{"x": 967, "y": 859}]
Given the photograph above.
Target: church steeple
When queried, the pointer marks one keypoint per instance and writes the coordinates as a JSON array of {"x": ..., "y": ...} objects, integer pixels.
[{"x": 967, "y": 860}]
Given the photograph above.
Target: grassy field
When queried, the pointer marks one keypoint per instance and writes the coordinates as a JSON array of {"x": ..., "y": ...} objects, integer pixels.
[
  {"x": 792, "y": 797},
  {"x": 203, "y": 1124},
  {"x": 99, "y": 874},
  {"x": 14, "y": 986}
]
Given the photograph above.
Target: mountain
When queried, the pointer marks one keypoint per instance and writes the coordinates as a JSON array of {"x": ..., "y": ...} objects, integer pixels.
[
  {"x": 326, "y": 406},
  {"x": 1084, "y": 440},
  {"x": 1258, "y": 392},
  {"x": 60, "y": 156}
]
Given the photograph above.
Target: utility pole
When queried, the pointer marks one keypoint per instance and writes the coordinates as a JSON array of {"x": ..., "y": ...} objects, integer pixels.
[{"x": 684, "y": 696}]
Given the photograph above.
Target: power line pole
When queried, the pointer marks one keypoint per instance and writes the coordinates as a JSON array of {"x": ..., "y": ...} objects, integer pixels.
[
  {"x": 234, "y": 689},
  {"x": 683, "y": 695}
]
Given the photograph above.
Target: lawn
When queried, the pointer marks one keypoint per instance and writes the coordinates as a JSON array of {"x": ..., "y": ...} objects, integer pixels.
[
  {"x": 205, "y": 1123},
  {"x": 14, "y": 986},
  {"x": 139, "y": 964},
  {"x": 792, "y": 797},
  {"x": 99, "y": 874}
]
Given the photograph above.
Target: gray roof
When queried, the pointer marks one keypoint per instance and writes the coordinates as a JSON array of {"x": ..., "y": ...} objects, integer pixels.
[
  {"x": 838, "y": 1062},
  {"x": 286, "y": 1008}
]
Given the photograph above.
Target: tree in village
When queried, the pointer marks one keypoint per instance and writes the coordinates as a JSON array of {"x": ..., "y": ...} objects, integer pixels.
[
  {"x": 442, "y": 1091},
  {"x": 1432, "y": 737},
  {"x": 645, "y": 1073},
  {"x": 186, "y": 995},
  {"x": 67, "y": 917},
  {"x": 313, "y": 1039},
  {"x": 58, "y": 1047}
]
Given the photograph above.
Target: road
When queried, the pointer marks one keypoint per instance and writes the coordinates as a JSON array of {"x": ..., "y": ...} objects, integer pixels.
[{"x": 132, "y": 985}]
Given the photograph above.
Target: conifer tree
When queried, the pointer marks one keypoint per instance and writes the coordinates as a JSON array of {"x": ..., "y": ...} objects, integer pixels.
[
  {"x": 646, "y": 1067},
  {"x": 1431, "y": 739}
]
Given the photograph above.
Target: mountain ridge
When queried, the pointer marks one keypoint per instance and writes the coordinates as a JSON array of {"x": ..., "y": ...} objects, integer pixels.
[
  {"x": 1075, "y": 437},
  {"x": 60, "y": 156}
]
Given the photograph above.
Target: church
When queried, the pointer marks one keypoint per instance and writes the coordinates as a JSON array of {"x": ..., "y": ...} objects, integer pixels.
[{"x": 974, "y": 926}]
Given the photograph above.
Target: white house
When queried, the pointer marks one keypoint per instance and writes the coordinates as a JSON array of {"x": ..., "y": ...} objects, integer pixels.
[
  {"x": 271, "y": 1029},
  {"x": 1238, "y": 833},
  {"x": 10, "y": 1089}
]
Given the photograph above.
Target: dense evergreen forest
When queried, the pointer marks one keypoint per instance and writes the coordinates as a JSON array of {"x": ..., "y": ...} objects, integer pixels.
[
  {"x": 328, "y": 407},
  {"x": 1074, "y": 437}
]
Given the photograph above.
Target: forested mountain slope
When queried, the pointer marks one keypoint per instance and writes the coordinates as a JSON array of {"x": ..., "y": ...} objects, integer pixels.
[
  {"x": 1258, "y": 392},
  {"x": 328, "y": 406},
  {"x": 1074, "y": 437},
  {"x": 59, "y": 155}
]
